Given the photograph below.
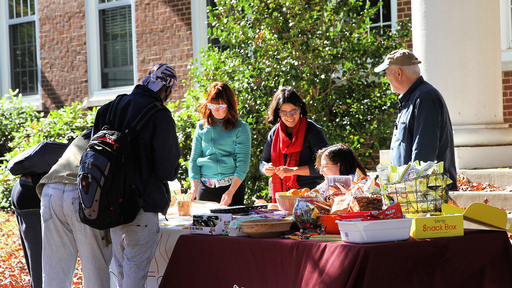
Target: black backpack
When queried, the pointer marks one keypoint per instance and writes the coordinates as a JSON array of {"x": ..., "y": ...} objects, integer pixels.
[{"x": 108, "y": 196}]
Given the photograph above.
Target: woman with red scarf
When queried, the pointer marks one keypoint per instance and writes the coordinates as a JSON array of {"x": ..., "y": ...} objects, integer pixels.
[{"x": 290, "y": 152}]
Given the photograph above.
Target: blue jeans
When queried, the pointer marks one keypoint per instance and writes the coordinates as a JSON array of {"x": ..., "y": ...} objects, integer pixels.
[
  {"x": 134, "y": 245},
  {"x": 65, "y": 236}
]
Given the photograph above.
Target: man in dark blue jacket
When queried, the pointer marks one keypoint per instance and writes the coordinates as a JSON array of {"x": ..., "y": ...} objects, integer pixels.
[
  {"x": 423, "y": 129},
  {"x": 156, "y": 156}
]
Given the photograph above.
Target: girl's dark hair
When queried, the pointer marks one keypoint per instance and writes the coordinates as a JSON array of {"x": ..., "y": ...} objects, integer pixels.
[
  {"x": 217, "y": 93},
  {"x": 282, "y": 96},
  {"x": 341, "y": 154}
]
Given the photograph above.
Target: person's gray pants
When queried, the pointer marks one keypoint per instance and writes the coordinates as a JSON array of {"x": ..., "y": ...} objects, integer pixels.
[{"x": 134, "y": 245}]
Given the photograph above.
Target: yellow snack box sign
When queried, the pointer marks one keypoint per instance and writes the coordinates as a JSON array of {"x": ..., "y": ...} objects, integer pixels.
[{"x": 437, "y": 226}]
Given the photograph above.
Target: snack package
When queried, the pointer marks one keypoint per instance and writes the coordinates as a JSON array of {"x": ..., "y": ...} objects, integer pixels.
[
  {"x": 410, "y": 171},
  {"x": 353, "y": 206},
  {"x": 340, "y": 204},
  {"x": 338, "y": 185},
  {"x": 357, "y": 189},
  {"x": 392, "y": 212},
  {"x": 372, "y": 186},
  {"x": 359, "y": 178},
  {"x": 366, "y": 203},
  {"x": 383, "y": 171}
]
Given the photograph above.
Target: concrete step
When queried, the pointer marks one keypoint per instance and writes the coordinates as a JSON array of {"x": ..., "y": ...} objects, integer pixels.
[
  {"x": 496, "y": 199},
  {"x": 502, "y": 177}
]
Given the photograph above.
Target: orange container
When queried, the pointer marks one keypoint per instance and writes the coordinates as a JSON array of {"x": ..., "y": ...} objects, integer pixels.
[
  {"x": 330, "y": 226},
  {"x": 329, "y": 221}
]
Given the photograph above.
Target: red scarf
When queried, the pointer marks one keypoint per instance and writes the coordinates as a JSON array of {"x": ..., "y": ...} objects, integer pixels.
[{"x": 282, "y": 145}]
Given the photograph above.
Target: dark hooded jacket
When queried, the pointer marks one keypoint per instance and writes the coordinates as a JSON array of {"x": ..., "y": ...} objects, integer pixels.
[{"x": 156, "y": 151}]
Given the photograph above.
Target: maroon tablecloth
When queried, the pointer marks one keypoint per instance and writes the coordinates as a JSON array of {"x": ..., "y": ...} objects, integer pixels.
[{"x": 480, "y": 258}]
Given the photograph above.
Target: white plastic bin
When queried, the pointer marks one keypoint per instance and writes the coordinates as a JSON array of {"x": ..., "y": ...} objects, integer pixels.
[{"x": 375, "y": 231}]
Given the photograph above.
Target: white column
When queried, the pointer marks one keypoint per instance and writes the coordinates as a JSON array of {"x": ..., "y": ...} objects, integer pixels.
[{"x": 459, "y": 45}]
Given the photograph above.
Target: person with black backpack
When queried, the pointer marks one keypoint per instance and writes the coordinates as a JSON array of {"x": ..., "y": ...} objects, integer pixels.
[{"x": 155, "y": 157}]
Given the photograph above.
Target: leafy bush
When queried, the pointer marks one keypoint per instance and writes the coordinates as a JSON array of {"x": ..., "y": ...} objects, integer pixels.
[
  {"x": 322, "y": 48},
  {"x": 62, "y": 125},
  {"x": 13, "y": 115},
  {"x": 186, "y": 116}
]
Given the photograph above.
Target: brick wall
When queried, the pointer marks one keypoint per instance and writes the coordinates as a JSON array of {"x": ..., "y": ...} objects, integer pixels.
[
  {"x": 507, "y": 97},
  {"x": 163, "y": 35},
  {"x": 404, "y": 14},
  {"x": 63, "y": 51}
]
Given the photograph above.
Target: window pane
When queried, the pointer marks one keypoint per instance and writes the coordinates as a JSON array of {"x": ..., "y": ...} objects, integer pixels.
[
  {"x": 11, "y": 9},
  {"x": 215, "y": 41},
  {"x": 376, "y": 17},
  {"x": 32, "y": 7},
  {"x": 379, "y": 30},
  {"x": 21, "y": 8},
  {"x": 25, "y": 8},
  {"x": 117, "y": 48},
  {"x": 386, "y": 11},
  {"x": 23, "y": 58}
]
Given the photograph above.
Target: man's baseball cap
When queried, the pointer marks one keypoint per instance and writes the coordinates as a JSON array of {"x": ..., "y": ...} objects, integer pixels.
[
  {"x": 399, "y": 57},
  {"x": 159, "y": 75}
]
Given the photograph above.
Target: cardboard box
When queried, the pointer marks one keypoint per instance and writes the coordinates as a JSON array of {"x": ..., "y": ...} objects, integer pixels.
[
  {"x": 375, "y": 231},
  {"x": 437, "y": 226},
  {"x": 452, "y": 222},
  {"x": 482, "y": 214},
  {"x": 219, "y": 229}
]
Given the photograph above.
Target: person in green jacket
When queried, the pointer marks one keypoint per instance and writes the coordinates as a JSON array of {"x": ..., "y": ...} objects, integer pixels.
[{"x": 221, "y": 149}]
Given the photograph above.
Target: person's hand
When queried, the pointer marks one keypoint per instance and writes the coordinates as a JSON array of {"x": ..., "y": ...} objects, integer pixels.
[
  {"x": 194, "y": 186},
  {"x": 226, "y": 199},
  {"x": 269, "y": 169},
  {"x": 192, "y": 194},
  {"x": 284, "y": 171}
]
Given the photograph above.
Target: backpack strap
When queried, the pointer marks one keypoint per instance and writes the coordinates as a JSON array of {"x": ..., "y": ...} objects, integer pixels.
[
  {"x": 111, "y": 120},
  {"x": 143, "y": 118}
]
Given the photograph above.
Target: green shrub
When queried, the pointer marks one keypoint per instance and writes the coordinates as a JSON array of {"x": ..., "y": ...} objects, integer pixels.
[
  {"x": 322, "y": 48},
  {"x": 62, "y": 125},
  {"x": 14, "y": 114},
  {"x": 186, "y": 116}
]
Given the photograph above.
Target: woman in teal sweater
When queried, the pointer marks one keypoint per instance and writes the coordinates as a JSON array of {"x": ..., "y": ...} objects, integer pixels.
[{"x": 221, "y": 150}]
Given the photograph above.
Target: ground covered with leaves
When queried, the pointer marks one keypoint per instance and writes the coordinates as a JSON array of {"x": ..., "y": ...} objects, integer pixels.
[{"x": 13, "y": 271}]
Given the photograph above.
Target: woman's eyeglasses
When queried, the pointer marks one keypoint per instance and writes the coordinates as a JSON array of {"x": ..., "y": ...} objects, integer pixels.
[
  {"x": 213, "y": 106},
  {"x": 325, "y": 166},
  {"x": 292, "y": 113}
]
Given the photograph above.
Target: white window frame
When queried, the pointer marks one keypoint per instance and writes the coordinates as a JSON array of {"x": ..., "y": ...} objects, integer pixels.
[
  {"x": 97, "y": 95},
  {"x": 394, "y": 15},
  {"x": 5, "y": 62},
  {"x": 199, "y": 28},
  {"x": 506, "y": 34}
]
